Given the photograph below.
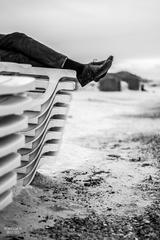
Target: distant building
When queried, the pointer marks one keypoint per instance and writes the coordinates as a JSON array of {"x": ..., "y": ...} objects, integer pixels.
[
  {"x": 132, "y": 79},
  {"x": 112, "y": 81},
  {"x": 109, "y": 83}
]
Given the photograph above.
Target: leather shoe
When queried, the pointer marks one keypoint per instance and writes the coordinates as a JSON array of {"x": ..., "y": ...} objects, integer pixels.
[{"x": 94, "y": 71}]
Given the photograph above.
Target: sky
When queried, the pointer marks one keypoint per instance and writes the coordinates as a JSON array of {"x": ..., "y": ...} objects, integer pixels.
[{"x": 92, "y": 29}]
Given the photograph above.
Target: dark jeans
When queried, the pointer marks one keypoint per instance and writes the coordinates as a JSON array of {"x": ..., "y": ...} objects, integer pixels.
[{"x": 18, "y": 47}]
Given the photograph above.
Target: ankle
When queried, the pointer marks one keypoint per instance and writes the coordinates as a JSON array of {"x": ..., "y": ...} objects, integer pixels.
[{"x": 73, "y": 65}]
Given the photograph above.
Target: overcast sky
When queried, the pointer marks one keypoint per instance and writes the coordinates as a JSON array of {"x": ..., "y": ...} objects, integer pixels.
[{"x": 88, "y": 29}]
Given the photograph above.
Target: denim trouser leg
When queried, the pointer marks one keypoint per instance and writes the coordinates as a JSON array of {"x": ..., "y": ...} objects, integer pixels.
[
  {"x": 21, "y": 43},
  {"x": 17, "y": 57}
]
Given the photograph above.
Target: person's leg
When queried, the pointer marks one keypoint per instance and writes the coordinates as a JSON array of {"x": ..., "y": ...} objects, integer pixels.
[
  {"x": 46, "y": 56},
  {"x": 11, "y": 56},
  {"x": 73, "y": 65},
  {"x": 19, "y": 42}
]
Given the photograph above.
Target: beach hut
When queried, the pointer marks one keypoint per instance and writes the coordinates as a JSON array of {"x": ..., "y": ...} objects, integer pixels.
[
  {"x": 110, "y": 83},
  {"x": 132, "y": 79}
]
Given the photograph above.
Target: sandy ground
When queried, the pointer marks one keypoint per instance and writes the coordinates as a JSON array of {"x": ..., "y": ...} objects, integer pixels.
[{"x": 105, "y": 182}]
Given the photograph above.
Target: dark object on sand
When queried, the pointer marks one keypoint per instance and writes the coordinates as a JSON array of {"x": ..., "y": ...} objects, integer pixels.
[
  {"x": 110, "y": 83},
  {"x": 142, "y": 88},
  {"x": 132, "y": 79}
]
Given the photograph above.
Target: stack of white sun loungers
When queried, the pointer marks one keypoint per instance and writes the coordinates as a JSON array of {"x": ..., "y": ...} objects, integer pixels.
[
  {"x": 46, "y": 115},
  {"x": 13, "y": 102}
]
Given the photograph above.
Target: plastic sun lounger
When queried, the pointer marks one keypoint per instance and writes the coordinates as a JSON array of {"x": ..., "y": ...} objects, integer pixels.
[
  {"x": 50, "y": 148},
  {"x": 33, "y": 115},
  {"x": 31, "y": 141},
  {"x": 46, "y": 120},
  {"x": 5, "y": 65},
  {"x": 12, "y": 123},
  {"x": 54, "y": 135},
  {"x": 34, "y": 141},
  {"x": 36, "y": 129},
  {"x": 29, "y": 154},
  {"x": 9, "y": 163},
  {"x": 59, "y": 98},
  {"x": 13, "y": 102},
  {"x": 54, "y": 76},
  {"x": 51, "y": 135},
  {"x": 43, "y": 152},
  {"x": 46, "y": 147},
  {"x": 43, "y": 96},
  {"x": 11, "y": 143},
  {"x": 7, "y": 181},
  {"x": 62, "y": 85},
  {"x": 13, "y": 84},
  {"x": 5, "y": 199},
  {"x": 35, "y": 118},
  {"x": 26, "y": 179}
]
